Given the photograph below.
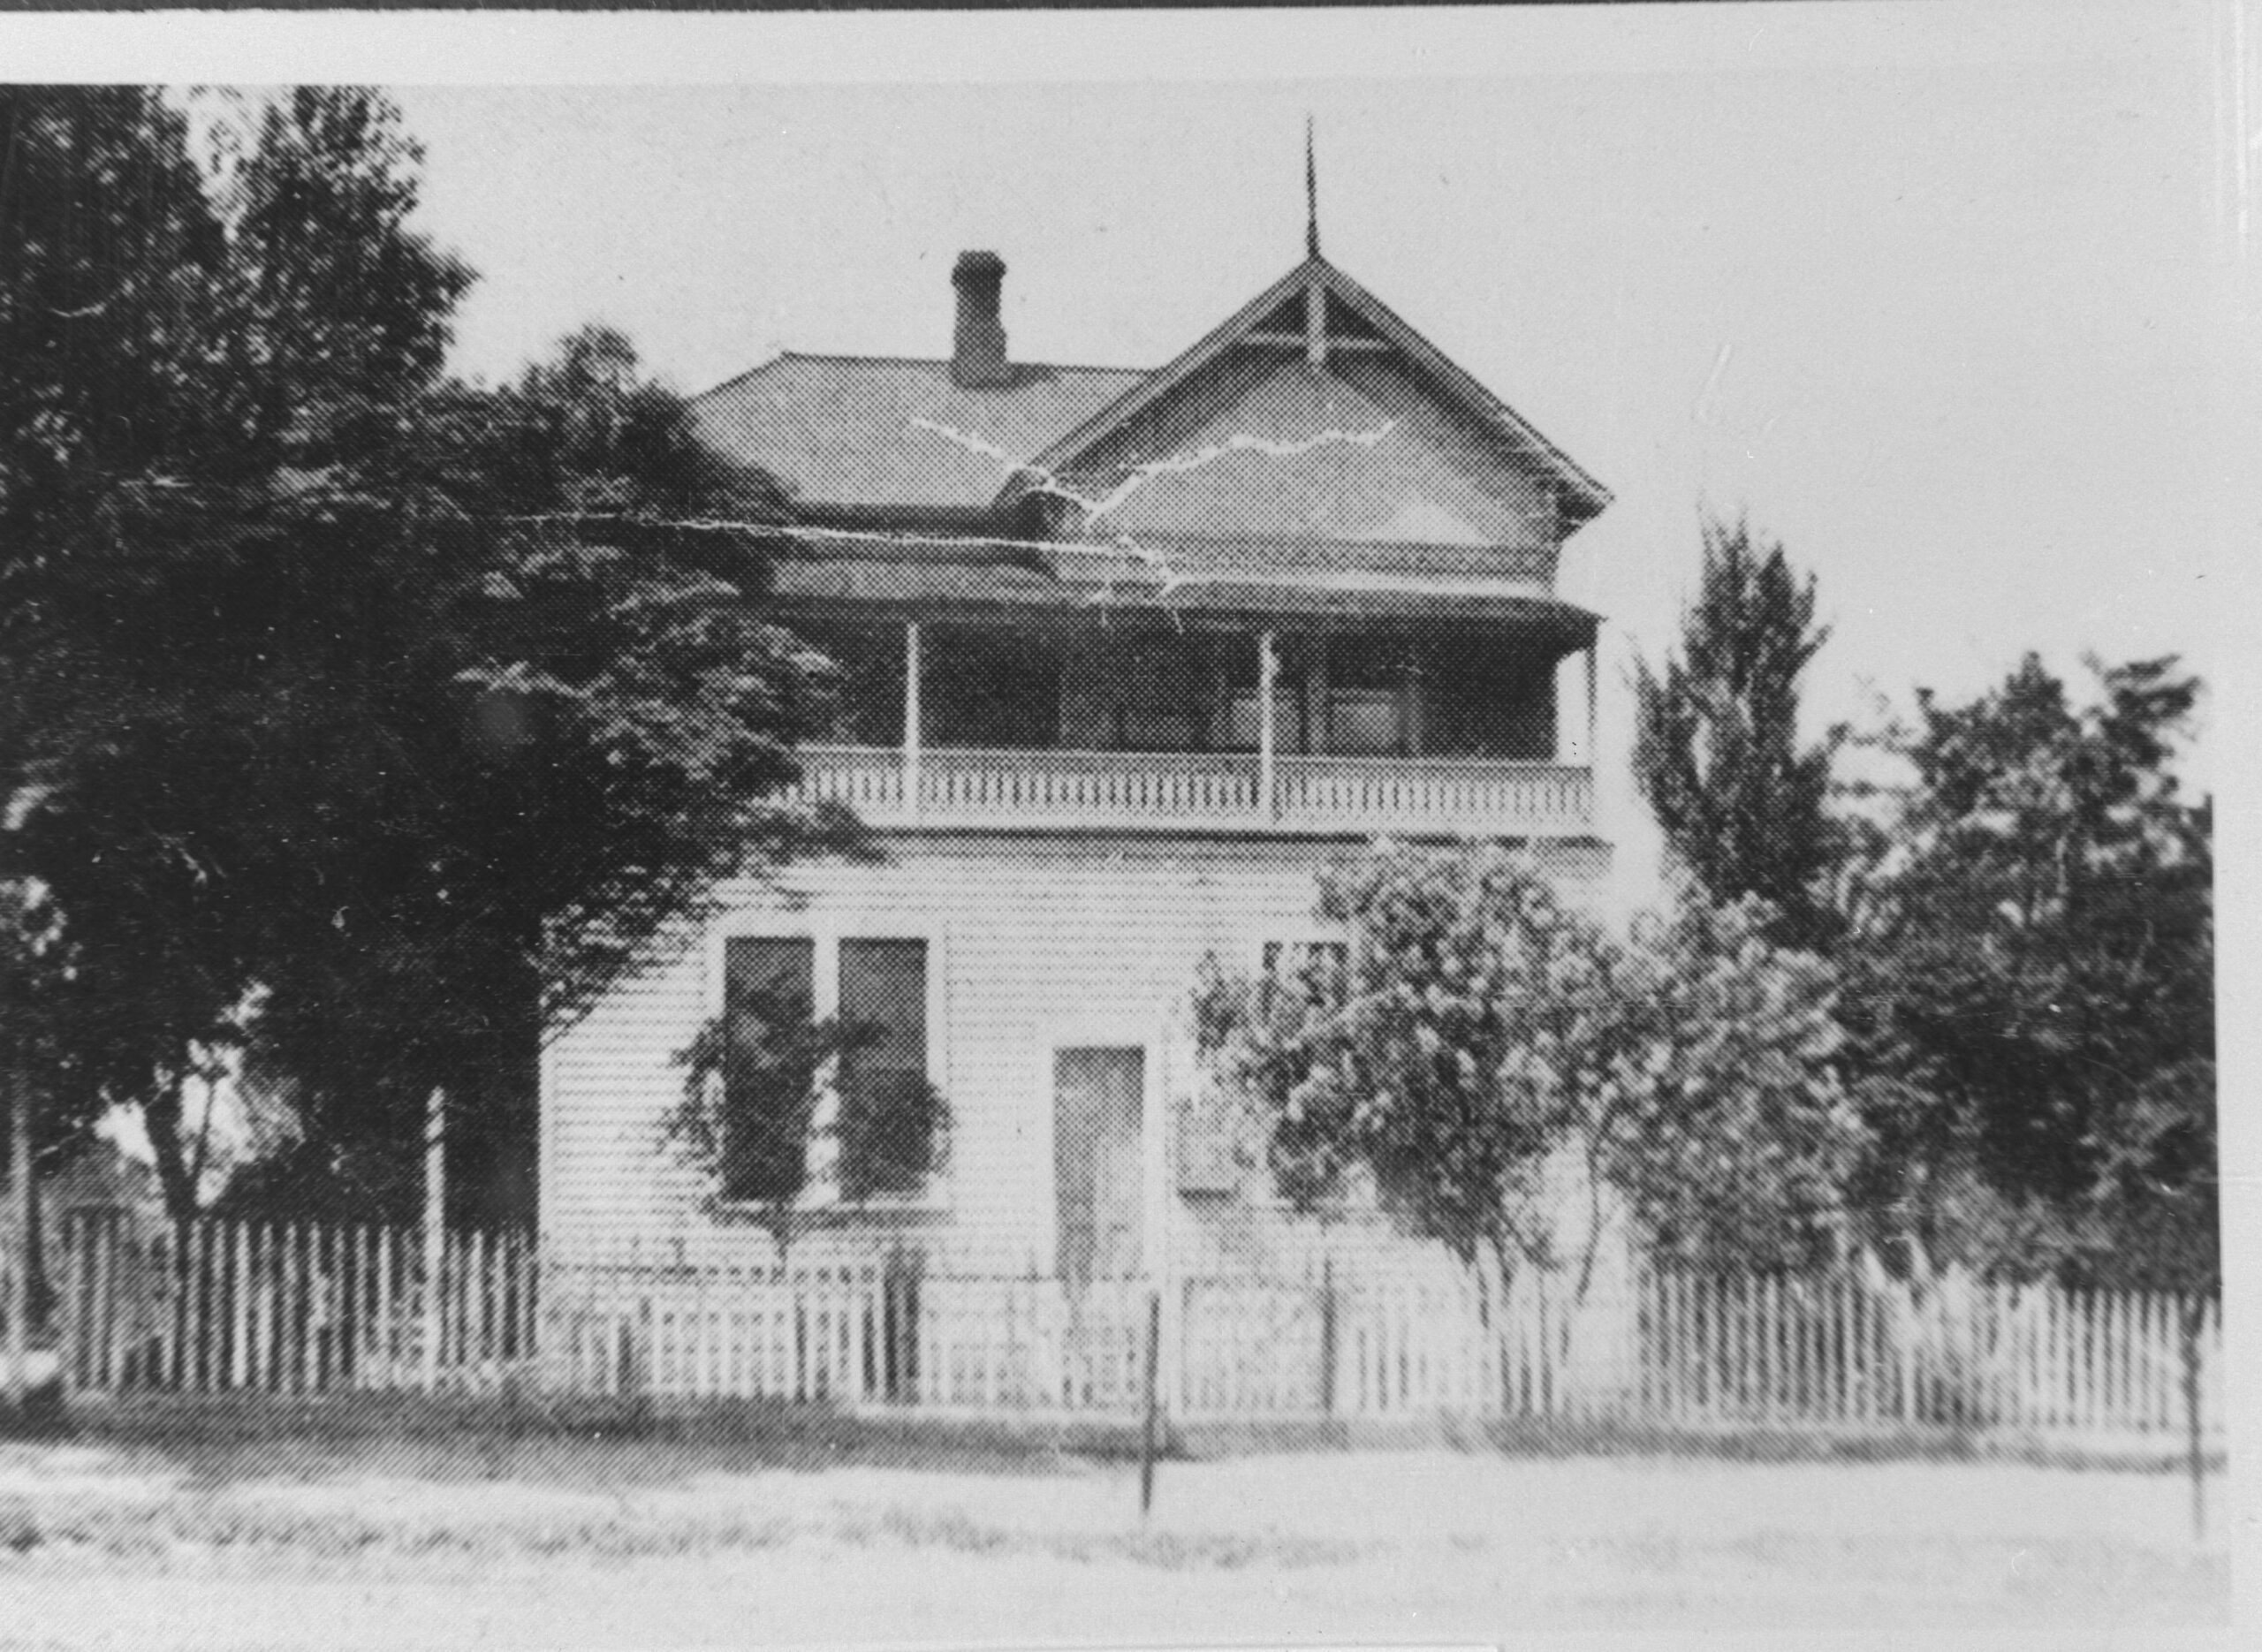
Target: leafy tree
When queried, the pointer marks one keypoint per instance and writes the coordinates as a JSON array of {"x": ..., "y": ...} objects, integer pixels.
[
  {"x": 117, "y": 430},
  {"x": 1481, "y": 1029},
  {"x": 572, "y": 730},
  {"x": 1717, "y": 753},
  {"x": 2029, "y": 967},
  {"x": 381, "y": 721},
  {"x": 752, "y": 1079}
]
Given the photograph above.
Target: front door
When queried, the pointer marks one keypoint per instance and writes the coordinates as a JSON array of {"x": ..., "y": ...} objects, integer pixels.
[{"x": 1096, "y": 1096}]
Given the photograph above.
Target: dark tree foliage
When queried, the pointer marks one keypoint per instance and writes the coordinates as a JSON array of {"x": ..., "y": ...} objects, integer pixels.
[
  {"x": 372, "y": 723},
  {"x": 752, "y": 1079},
  {"x": 749, "y": 1094},
  {"x": 2030, "y": 981},
  {"x": 560, "y": 732},
  {"x": 133, "y": 465},
  {"x": 1717, "y": 753}
]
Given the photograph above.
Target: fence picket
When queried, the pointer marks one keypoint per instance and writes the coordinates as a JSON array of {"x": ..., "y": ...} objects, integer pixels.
[
  {"x": 164, "y": 1262},
  {"x": 169, "y": 1271},
  {"x": 2142, "y": 1389},
  {"x": 1678, "y": 1356},
  {"x": 264, "y": 1252},
  {"x": 299, "y": 1314},
  {"x": 370, "y": 1356},
  {"x": 2168, "y": 1353},
  {"x": 330, "y": 1272},
  {"x": 215, "y": 1354},
  {"x": 191, "y": 1311},
  {"x": 2094, "y": 1359}
]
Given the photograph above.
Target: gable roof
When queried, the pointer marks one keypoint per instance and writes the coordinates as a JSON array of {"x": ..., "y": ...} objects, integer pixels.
[
  {"x": 871, "y": 431},
  {"x": 1351, "y": 311}
]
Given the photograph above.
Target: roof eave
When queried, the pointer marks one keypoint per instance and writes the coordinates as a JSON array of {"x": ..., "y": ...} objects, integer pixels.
[{"x": 1584, "y": 497}]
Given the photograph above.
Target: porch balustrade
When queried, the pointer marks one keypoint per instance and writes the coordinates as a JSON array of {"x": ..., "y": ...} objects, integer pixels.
[{"x": 944, "y": 786}]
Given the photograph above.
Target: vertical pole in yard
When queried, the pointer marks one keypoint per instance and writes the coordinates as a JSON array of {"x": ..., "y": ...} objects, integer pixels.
[
  {"x": 436, "y": 1231},
  {"x": 2193, "y": 1308},
  {"x": 19, "y": 1230},
  {"x": 1147, "y": 1432},
  {"x": 1327, "y": 1333}
]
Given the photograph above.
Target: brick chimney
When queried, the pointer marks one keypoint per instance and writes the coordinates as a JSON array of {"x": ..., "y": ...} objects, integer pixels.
[{"x": 978, "y": 352}]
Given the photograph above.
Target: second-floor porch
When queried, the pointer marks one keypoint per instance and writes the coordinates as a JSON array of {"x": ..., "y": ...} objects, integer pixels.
[{"x": 1137, "y": 724}]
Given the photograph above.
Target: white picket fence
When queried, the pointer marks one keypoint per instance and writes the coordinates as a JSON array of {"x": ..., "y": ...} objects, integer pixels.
[
  {"x": 289, "y": 1307},
  {"x": 216, "y": 1307}
]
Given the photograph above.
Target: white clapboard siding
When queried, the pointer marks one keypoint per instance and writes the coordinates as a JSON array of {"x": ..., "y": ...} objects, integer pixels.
[{"x": 1037, "y": 937}]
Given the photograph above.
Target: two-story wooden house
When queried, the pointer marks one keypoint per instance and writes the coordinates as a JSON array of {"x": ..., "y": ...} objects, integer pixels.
[{"x": 1126, "y": 655}]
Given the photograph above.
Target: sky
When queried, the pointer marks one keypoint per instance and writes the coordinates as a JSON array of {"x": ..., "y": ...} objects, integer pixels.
[{"x": 1947, "y": 297}]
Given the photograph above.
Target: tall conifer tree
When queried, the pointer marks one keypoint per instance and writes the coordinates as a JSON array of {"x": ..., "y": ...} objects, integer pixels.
[{"x": 1717, "y": 752}]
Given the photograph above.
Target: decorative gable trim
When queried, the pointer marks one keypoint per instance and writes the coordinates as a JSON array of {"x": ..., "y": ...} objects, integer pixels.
[{"x": 1337, "y": 315}]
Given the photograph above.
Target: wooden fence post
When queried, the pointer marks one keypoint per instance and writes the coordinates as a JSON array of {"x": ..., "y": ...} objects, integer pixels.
[
  {"x": 2194, "y": 1311},
  {"x": 106, "y": 1318},
  {"x": 436, "y": 1231},
  {"x": 1147, "y": 1432},
  {"x": 20, "y": 1238}
]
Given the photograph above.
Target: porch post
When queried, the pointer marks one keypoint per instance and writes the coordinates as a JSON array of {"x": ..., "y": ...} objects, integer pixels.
[
  {"x": 913, "y": 734},
  {"x": 1594, "y": 645},
  {"x": 1574, "y": 709},
  {"x": 1268, "y": 682},
  {"x": 1414, "y": 699}
]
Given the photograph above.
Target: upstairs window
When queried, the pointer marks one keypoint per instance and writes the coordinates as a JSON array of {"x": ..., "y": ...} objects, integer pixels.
[
  {"x": 1244, "y": 703},
  {"x": 1367, "y": 695}
]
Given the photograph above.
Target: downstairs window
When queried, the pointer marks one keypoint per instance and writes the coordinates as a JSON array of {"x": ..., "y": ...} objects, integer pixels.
[{"x": 837, "y": 1102}]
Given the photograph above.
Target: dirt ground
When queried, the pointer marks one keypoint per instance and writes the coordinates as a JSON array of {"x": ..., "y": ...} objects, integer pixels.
[{"x": 106, "y": 1542}]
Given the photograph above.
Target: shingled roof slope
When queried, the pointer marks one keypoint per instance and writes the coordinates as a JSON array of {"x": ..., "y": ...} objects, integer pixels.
[{"x": 862, "y": 430}]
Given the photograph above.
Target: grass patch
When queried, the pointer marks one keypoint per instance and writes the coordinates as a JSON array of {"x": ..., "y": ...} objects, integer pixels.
[
  {"x": 198, "y": 1528},
  {"x": 1545, "y": 1439},
  {"x": 219, "y": 1440}
]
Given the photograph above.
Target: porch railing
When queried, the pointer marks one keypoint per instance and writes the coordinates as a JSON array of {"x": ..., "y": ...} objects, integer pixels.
[{"x": 1047, "y": 789}]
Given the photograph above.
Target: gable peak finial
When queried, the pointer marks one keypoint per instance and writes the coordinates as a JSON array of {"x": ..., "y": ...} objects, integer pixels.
[{"x": 1311, "y": 193}]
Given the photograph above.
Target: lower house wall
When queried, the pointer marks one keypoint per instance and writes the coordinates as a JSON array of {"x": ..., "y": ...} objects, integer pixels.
[{"x": 1035, "y": 941}]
